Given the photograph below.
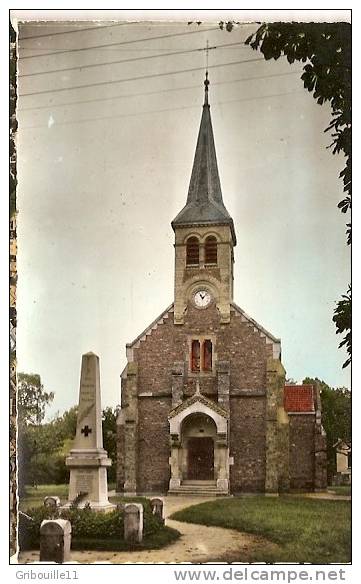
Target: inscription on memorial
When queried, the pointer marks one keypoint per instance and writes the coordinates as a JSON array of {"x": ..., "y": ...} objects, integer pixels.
[
  {"x": 88, "y": 392},
  {"x": 84, "y": 482}
]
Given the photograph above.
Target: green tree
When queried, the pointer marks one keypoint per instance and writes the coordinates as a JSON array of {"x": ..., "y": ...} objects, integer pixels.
[
  {"x": 45, "y": 447},
  {"x": 336, "y": 417},
  {"x": 110, "y": 439},
  {"x": 32, "y": 399},
  {"x": 325, "y": 48},
  {"x": 32, "y": 402},
  {"x": 343, "y": 318}
]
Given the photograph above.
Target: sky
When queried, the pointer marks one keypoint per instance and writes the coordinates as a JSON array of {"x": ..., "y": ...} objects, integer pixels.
[{"x": 104, "y": 168}]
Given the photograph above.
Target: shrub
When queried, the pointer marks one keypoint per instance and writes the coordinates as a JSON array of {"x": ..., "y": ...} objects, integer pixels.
[{"x": 87, "y": 526}]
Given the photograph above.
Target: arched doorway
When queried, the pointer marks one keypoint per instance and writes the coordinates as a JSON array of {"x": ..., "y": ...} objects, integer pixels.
[{"x": 198, "y": 440}]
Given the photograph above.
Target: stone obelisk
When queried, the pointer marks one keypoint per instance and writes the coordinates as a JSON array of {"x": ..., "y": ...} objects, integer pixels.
[{"x": 88, "y": 461}]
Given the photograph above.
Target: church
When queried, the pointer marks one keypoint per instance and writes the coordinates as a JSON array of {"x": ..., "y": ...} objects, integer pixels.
[{"x": 204, "y": 404}]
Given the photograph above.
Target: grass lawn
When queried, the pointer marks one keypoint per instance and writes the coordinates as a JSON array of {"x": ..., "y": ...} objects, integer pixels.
[
  {"x": 34, "y": 496},
  {"x": 305, "y": 530},
  {"x": 344, "y": 490}
]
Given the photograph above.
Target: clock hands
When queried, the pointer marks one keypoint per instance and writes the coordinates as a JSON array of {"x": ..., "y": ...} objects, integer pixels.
[{"x": 202, "y": 298}]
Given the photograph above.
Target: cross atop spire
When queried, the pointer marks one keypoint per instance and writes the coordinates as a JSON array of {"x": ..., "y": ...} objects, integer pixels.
[
  {"x": 206, "y": 85},
  {"x": 206, "y": 82}
]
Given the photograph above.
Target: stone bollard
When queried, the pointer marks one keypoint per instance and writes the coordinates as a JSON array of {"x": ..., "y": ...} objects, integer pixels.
[
  {"x": 55, "y": 539},
  {"x": 133, "y": 522},
  {"x": 157, "y": 505},
  {"x": 52, "y": 501}
]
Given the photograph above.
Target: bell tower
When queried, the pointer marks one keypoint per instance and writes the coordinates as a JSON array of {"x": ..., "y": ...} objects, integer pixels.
[{"x": 204, "y": 233}]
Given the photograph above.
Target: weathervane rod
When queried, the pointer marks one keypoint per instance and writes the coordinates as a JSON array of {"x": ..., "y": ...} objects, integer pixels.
[{"x": 206, "y": 82}]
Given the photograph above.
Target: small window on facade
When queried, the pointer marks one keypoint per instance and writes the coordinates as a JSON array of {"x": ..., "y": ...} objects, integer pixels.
[
  {"x": 196, "y": 356},
  {"x": 192, "y": 251},
  {"x": 211, "y": 250},
  {"x": 207, "y": 355}
]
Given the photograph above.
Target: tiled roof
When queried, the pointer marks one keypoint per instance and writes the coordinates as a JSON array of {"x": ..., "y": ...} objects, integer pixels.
[{"x": 299, "y": 398}]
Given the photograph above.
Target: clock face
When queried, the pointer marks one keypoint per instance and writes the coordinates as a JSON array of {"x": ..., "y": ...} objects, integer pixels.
[{"x": 202, "y": 298}]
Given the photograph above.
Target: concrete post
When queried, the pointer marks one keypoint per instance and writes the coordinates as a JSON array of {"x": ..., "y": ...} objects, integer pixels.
[
  {"x": 55, "y": 539},
  {"x": 157, "y": 505},
  {"x": 52, "y": 501},
  {"x": 133, "y": 522}
]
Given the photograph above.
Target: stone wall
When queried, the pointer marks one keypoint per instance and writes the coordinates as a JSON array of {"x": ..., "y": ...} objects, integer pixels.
[
  {"x": 153, "y": 444},
  {"x": 302, "y": 451},
  {"x": 248, "y": 444}
]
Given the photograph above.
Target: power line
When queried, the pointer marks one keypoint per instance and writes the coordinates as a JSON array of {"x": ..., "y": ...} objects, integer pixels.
[
  {"x": 107, "y": 49},
  {"x": 136, "y": 114},
  {"x": 51, "y": 34},
  {"x": 120, "y": 43},
  {"x": 130, "y": 95},
  {"x": 131, "y": 60},
  {"x": 100, "y": 83}
]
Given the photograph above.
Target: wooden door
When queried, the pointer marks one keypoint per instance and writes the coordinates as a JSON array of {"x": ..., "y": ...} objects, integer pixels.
[{"x": 200, "y": 459}]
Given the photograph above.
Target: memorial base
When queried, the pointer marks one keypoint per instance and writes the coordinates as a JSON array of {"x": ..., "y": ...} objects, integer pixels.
[{"x": 88, "y": 479}]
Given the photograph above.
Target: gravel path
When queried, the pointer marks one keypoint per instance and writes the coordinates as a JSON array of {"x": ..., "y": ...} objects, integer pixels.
[{"x": 197, "y": 544}]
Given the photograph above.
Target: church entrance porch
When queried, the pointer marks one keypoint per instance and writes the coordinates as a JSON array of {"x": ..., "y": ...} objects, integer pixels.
[{"x": 199, "y": 458}]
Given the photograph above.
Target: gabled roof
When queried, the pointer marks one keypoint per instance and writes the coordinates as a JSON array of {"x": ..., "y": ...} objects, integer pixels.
[
  {"x": 198, "y": 397},
  {"x": 299, "y": 398},
  {"x": 153, "y": 325},
  {"x": 204, "y": 203},
  {"x": 258, "y": 326}
]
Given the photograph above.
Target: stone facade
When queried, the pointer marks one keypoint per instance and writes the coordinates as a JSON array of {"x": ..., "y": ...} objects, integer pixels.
[
  {"x": 203, "y": 393},
  {"x": 270, "y": 449}
]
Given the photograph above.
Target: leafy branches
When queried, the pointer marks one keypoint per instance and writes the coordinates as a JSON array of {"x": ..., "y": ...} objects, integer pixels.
[
  {"x": 325, "y": 48},
  {"x": 342, "y": 318}
]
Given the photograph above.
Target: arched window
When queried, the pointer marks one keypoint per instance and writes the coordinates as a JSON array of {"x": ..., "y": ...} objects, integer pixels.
[
  {"x": 207, "y": 355},
  {"x": 201, "y": 355},
  {"x": 195, "y": 356},
  {"x": 211, "y": 250},
  {"x": 192, "y": 251}
]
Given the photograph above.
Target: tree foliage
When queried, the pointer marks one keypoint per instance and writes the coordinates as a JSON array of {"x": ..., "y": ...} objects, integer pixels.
[
  {"x": 325, "y": 48},
  {"x": 336, "y": 417},
  {"x": 32, "y": 399},
  {"x": 109, "y": 423},
  {"x": 43, "y": 447},
  {"x": 342, "y": 318}
]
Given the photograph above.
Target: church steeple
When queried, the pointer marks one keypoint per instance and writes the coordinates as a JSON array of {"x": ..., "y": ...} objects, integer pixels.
[
  {"x": 204, "y": 202},
  {"x": 204, "y": 234}
]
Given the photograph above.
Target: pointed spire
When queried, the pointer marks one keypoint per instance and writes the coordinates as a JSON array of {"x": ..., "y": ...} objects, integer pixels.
[{"x": 204, "y": 202}]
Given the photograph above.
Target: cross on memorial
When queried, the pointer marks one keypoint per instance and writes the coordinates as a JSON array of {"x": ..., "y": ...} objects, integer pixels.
[{"x": 86, "y": 430}]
